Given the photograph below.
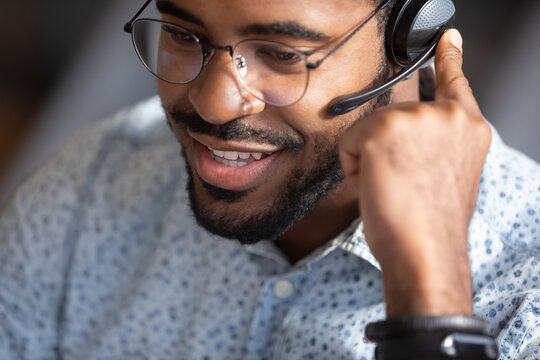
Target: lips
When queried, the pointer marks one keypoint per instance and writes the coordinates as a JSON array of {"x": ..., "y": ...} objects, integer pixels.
[{"x": 232, "y": 166}]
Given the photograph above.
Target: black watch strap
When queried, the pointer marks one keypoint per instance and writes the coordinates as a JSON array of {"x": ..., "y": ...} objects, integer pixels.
[
  {"x": 430, "y": 346},
  {"x": 432, "y": 337},
  {"x": 391, "y": 328}
]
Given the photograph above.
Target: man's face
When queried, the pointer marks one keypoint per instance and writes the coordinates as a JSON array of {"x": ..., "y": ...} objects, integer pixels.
[{"x": 255, "y": 169}]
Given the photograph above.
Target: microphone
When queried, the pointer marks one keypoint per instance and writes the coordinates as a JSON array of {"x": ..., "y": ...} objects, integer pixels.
[{"x": 346, "y": 103}]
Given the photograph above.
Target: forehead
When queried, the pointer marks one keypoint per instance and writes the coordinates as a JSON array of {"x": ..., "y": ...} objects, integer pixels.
[{"x": 327, "y": 16}]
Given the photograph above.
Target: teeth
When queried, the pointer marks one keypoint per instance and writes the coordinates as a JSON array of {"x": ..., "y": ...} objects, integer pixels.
[
  {"x": 230, "y": 163},
  {"x": 234, "y": 155},
  {"x": 219, "y": 153},
  {"x": 230, "y": 155}
]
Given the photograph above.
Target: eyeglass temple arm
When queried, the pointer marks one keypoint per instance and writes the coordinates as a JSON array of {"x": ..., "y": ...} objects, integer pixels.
[
  {"x": 128, "y": 27},
  {"x": 342, "y": 42}
]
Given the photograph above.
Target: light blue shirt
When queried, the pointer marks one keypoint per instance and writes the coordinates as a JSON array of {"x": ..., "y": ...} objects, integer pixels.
[{"x": 101, "y": 258}]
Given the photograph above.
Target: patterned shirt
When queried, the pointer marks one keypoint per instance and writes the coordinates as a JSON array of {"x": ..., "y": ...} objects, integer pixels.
[{"x": 101, "y": 258}]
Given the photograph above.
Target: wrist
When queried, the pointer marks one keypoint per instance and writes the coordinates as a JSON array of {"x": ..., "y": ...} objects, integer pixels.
[{"x": 420, "y": 289}]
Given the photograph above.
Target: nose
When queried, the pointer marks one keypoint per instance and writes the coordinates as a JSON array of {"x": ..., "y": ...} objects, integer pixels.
[{"x": 217, "y": 95}]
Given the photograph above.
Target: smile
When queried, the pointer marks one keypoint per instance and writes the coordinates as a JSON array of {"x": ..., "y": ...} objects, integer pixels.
[{"x": 231, "y": 165}]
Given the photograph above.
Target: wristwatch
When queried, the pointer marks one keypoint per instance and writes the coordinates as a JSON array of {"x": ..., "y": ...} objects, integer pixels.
[{"x": 432, "y": 337}]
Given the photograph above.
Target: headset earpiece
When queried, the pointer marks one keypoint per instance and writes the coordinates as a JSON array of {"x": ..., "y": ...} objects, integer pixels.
[
  {"x": 413, "y": 30},
  {"x": 412, "y": 26}
]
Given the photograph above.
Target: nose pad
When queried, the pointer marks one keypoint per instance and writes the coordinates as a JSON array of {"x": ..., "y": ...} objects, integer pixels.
[{"x": 217, "y": 95}]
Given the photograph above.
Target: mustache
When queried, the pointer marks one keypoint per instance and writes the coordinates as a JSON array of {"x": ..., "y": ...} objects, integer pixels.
[{"x": 233, "y": 130}]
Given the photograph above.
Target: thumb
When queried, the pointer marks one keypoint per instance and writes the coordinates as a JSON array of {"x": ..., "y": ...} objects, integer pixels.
[{"x": 451, "y": 83}]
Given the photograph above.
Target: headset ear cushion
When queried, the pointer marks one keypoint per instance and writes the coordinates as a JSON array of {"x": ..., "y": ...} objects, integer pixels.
[
  {"x": 392, "y": 48},
  {"x": 412, "y": 27}
]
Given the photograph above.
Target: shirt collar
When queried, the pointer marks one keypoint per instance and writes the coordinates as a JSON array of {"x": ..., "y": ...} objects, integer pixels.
[
  {"x": 267, "y": 249},
  {"x": 351, "y": 240}
]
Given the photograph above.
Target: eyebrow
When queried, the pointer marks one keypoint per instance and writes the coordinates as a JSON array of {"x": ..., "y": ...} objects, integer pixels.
[
  {"x": 290, "y": 29},
  {"x": 167, "y": 7}
]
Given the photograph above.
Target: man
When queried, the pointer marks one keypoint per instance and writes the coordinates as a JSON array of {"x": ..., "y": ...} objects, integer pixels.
[{"x": 101, "y": 257}]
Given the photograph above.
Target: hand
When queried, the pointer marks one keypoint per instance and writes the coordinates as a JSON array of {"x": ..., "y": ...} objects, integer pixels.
[{"x": 417, "y": 167}]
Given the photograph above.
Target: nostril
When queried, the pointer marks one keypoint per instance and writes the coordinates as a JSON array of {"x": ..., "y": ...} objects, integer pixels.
[{"x": 216, "y": 98}]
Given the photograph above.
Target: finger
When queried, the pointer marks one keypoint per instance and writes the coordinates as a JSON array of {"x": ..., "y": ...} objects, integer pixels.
[
  {"x": 451, "y": 83},
  {"x": 352, "y": 141},
  {"x": 350, "y": 154}
]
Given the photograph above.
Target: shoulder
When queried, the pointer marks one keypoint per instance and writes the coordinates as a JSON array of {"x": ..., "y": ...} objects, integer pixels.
[
  {"x": 114, "y": 165},
  {"x": 128, "y": 135}
]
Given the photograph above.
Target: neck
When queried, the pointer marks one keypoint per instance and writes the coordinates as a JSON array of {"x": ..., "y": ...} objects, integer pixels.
[{"x": 332, "y": 214}]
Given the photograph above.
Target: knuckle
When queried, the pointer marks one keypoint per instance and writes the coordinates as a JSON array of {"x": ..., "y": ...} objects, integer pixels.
[
  {"x": 424, "y": 110},
  {"x": 457, "y": 83},
  {"x": 460, "y": 82},
  {"x": 392, "y": 124},
  {"x": 371, "y": 146},
  {"x": 455, "y": 109},
  {"x": 451, "y": 54}
]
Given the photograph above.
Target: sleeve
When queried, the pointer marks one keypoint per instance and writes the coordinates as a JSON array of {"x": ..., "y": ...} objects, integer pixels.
[
  {"x": 520, "y": 339},
  {"x": 508, "y": 262}
]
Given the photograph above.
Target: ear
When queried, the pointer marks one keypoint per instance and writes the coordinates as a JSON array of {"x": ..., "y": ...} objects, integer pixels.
[{"x": 395, "y": 68}]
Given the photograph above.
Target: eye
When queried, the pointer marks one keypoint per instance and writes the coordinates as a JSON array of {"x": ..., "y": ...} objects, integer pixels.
[
  {"x": 179, "y": 36},
  {"x": 284, "y": 56}
]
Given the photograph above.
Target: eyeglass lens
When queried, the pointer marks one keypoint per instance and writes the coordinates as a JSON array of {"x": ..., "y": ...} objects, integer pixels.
[{"x": 272, "y": 72}]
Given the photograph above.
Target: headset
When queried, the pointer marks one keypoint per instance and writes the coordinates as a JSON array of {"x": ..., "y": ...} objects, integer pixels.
[{"x": 412, "y": 33}]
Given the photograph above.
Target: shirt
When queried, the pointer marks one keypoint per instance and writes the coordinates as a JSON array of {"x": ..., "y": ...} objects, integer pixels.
[{"x": 101, "y": 258}]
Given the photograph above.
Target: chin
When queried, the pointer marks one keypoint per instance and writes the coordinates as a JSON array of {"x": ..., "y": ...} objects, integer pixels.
[{"x": 241, "y": 216}]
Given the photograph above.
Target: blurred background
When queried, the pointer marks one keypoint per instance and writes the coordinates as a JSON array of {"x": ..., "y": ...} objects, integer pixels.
[{"x": 66, "y": 64}]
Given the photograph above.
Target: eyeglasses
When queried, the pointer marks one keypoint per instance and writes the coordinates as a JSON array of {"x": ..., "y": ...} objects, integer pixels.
[{"x": 275, "y": 73}]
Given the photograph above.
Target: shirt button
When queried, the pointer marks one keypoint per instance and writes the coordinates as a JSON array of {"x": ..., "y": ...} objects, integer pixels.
[{"x": 283, "y": 289}]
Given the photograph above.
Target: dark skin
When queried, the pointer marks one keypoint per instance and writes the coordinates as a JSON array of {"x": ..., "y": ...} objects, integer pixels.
[
  {"x": 419, "y": 234},
  {"x": 412, "y": 168},
  {"x": 294, "y": 243}
]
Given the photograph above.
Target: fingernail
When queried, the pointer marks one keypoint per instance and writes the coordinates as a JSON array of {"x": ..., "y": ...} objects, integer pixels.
[{"x": 455, "y": 38}]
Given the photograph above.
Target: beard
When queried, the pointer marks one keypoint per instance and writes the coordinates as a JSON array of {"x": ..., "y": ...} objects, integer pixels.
[
  {"x": 300, "y": 194},
  {"x": 302, "y": 190}
]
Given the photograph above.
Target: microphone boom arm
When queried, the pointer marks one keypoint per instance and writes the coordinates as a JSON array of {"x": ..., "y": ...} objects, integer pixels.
[{"x": 346, "y": 103}]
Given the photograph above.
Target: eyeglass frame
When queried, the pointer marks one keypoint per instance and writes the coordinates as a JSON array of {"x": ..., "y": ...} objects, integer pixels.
[{"x": 205, "y": 43}]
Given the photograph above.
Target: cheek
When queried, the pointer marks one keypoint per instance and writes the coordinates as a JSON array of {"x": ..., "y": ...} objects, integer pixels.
[
  {"x": 346, "y": 75},
  {"x": 315, "y": 130},
  {"x": 173, "y": 95},
  {"x": 350, "y": 69}
]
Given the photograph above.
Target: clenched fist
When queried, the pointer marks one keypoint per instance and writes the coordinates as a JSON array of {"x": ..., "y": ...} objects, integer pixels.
[{"x": 417, "y": 167}]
